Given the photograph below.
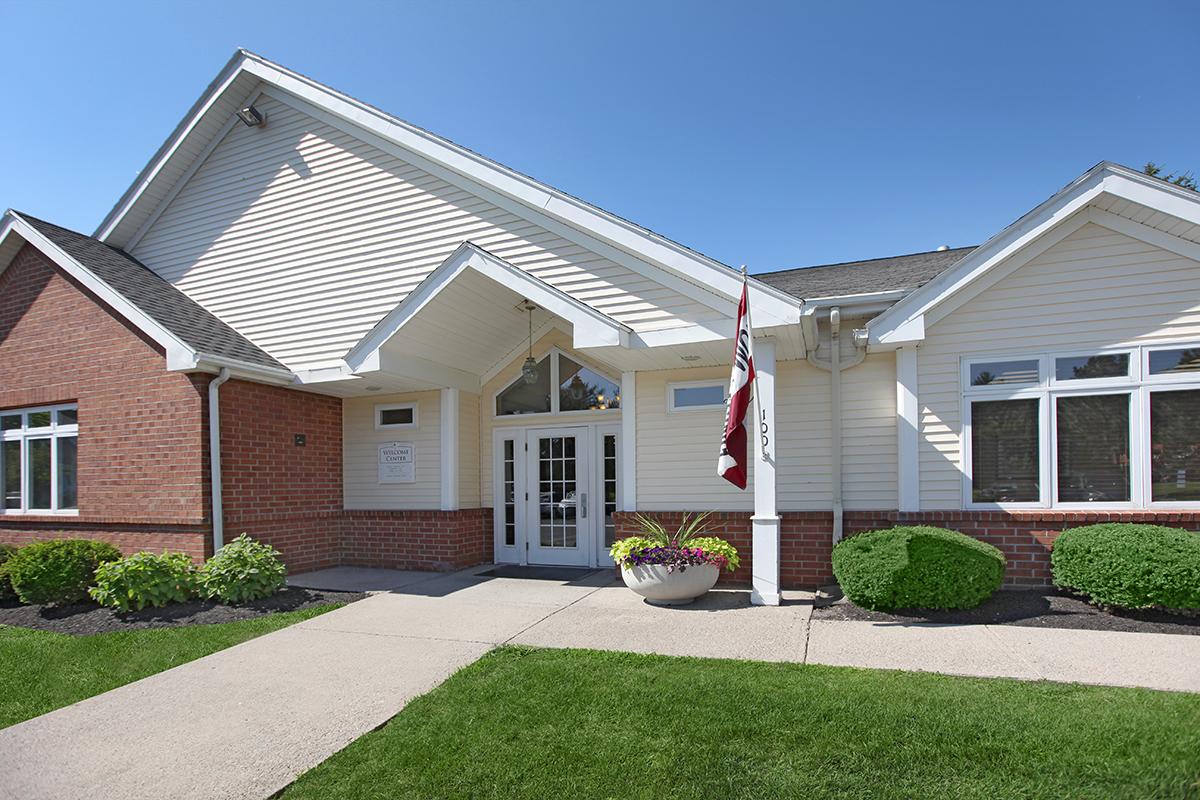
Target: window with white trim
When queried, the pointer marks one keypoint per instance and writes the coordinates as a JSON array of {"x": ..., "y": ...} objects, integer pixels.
[
  {"x": 1112, "y": 428},
  {"x": 697, "y": 395},
  {"x": 580, "y": 388},
  {"x": 395, "y": 415},
  {"x": 39, "y": 460}
]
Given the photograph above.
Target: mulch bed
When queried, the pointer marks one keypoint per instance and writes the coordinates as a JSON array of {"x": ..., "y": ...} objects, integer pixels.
[
  {"x": 85, "y": 619},
  {"x": 1043, "y": 608}
]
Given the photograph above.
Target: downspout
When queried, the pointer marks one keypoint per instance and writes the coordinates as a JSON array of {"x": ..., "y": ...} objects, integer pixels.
[
  {"x": 214, "y": 456},
  {"x": 835, "y": 367},
  {"x": 835, "y": 417}
]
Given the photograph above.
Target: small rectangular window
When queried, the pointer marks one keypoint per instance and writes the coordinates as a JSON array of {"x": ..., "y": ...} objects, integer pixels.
[
  {"x": 697, "y": 396},
  {"x": 10, "y": 473},
  {"x": 1093, "y": 448},
  {"x": 1175, "y": 446},
  {"x": 1182, "y": 362},
  {"x": 38, "y": 466},
  {"x": 1075, "y": 368},
  {"x": 397, "y": 415},
  {"x": 38, "y": 419},
  {"x": 10, "y": 422},
  {"x": 1005, "y": 451},
  {"x": 1004, "y": 373},
  {"x": 68, "y": 416}
]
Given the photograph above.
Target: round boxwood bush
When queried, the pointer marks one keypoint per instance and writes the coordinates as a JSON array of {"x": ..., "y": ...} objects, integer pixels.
[
  {"x": 917, "y": 567},
  {"x": 6, "y": 591},
  {"x": 145, "y": 579},
  {"x": 58, "y": 571},
  {"x": 241, "y": 571},
  {"x": 1129, "y": 565}
]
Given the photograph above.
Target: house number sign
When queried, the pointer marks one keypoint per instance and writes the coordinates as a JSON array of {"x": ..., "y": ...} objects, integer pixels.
[{"x": 397, "y": 463}]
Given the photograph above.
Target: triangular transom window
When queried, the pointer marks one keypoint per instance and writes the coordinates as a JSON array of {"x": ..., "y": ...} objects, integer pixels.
[{"x": 579, "y": 388}]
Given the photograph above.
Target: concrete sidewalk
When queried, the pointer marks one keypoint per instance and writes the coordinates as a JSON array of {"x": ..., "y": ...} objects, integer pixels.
[{"x": 244, "y": 722}]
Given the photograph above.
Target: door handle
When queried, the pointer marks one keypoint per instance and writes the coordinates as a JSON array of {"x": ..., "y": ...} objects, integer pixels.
[{"x": 583, "y": 505}]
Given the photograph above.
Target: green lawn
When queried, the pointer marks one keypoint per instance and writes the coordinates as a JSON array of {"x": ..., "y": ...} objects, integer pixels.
[
  {"x": 42, "y": 671},
  {"x": 555, "y": 724}
]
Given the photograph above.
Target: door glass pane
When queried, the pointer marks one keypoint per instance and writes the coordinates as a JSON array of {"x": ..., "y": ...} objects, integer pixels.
[
  {"x": 39, "y": 472},
  {"x": 581, "y": 389},
  {"x": 1175, "y": 445},
  {"x": 1004, "y": 451},
  {"x": 610, "y": 488},
  {"x": 10, "y": 473},
  {"x": 510, "y": 507},
  {"x": 66, "y": 465},
  {"x": 1169, "y": 362},
  {"x": 527, "y": 398},
  {"x": 997, "y": 373},
  {"x": 1093, "y": 448},
  {"x": 558, "y": 497},
  {"x": 1082, "y": 367}
]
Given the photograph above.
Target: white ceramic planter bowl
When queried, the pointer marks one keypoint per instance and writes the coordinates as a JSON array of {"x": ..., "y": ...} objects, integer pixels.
[{"x": 662, "y": 588}]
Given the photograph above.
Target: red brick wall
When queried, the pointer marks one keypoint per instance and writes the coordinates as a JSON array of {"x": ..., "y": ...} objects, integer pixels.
[
  {"x": 434, "y": 540},
  {"x": 287, "y": 495},
  {"x": 142, "y": 451}
]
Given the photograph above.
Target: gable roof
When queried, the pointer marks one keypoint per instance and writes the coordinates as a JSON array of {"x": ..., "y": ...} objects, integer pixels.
[
  {"x": 683, "y": 270},
  {"x": 905, "y": 322},
  {"x": 869, "y": 276},
  {"x": 187, "y": 331}
]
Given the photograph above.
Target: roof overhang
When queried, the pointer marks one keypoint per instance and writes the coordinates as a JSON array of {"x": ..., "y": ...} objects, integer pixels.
[
  {"x": 679, "y": 268},
  {"x": 905, "y": 322},
  {"x": 16, "y": 231},
  {"x": 589, "y": 327}
]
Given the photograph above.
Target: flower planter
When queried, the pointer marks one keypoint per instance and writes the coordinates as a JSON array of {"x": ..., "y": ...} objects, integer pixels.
[{"x": 675, "y": 588}]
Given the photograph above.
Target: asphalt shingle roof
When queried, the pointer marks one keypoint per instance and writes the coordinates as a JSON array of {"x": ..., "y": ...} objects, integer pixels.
[
  {"x": 156, "y": 298},
  {"x": 864, "y": 277}
]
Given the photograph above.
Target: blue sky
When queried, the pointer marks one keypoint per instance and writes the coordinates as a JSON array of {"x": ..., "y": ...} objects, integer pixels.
[{"x": 774, "y": 134}]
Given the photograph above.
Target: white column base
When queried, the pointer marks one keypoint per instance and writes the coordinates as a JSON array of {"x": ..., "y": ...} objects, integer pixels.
[{"x": 764, "y": 589}]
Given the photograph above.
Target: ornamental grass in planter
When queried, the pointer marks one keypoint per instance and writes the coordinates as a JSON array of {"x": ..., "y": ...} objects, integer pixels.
[{"x": 673, "y": 568}]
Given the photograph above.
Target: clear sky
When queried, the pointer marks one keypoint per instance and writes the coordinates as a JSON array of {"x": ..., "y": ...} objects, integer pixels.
[{"x": 774, "y": 134}]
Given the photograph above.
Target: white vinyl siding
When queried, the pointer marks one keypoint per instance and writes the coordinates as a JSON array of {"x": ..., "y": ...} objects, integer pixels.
[
  {"x": 468, "y": 450},
  {"x": 303, "y": 237},
  {"x": 1096, "y": 289},
  {"x": 360, "y": 454}
]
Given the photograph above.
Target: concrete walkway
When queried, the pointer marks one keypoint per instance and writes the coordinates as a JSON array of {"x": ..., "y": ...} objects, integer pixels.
[{"x": 244, "y": 722}]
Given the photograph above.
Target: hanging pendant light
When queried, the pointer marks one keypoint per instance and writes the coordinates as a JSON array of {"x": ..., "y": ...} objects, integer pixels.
[{"x": 529, "y": 370}]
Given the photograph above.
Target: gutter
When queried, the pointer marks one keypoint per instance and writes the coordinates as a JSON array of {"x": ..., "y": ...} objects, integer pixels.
[{"x": 214, "y": 456}]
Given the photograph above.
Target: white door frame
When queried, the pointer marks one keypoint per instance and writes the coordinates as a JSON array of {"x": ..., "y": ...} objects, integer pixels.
[{"x": 593, "y": 550}]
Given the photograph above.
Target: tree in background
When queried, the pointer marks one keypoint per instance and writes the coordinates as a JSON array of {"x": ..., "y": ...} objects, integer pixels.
[{"x": 1184, "y": 179}]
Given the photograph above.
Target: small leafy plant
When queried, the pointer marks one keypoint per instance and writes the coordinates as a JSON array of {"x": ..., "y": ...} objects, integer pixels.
[
  {"x": 145, "y": 579},
  {"x": 688, "y": 546},
  {"x": 7, "y": 551},
  {"x": 242, "y": 571},
  {"x": 59, "y": 571}
]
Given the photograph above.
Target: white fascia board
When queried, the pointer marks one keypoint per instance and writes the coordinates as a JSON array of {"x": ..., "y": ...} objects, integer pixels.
[
  {"x": 898, "y": 325},
  {"x": 590, "y": 328},
  {"x": 206, "y": 362},
  {"x": 228, "y": 74},
  {"x": 180, "y": 356}
]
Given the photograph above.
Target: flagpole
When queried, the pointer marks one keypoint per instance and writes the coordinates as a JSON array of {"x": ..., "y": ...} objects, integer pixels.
[{"x": 757, "y": 402}]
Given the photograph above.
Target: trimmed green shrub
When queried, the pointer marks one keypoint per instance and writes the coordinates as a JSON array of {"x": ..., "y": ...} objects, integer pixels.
[
  {"x": 241, "y": 571},
  {"x": 1130, "y": 565},
  {"x": 6, "y": 552},
  {"x": 917, "y": 567},
  {"x": 145, "y": 579},
  {"x": 58, "y": 571}
]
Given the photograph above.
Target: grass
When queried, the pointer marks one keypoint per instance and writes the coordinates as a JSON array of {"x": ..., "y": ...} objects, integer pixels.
[
  {"x": 41, "y": 671},
  {"x": 524, "y": 723}
]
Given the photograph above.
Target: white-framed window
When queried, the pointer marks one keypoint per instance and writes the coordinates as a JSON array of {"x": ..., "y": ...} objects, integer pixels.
[
  {"x": 1102, "y": 428},
  {"x": 39, "y": 460},
  {"x": 580, "y": 389},
  {"x": 389, "y": 416},
  {"x": 697, "y": 395}
]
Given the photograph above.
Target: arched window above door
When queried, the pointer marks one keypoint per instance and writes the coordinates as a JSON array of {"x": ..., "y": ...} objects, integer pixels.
[{"x": 563, "y": 386}]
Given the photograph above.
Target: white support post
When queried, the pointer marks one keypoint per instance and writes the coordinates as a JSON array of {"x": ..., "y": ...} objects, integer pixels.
[
  {"x": 629, "y": 441},
  {"x": 449, "y": 442},
  {"x": 765, "y": 522},
  {"x": 908, "y": 421}
]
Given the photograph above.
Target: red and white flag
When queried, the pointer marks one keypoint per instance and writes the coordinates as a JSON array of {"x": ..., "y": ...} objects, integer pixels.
[{"x": 733, "y": 464}]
